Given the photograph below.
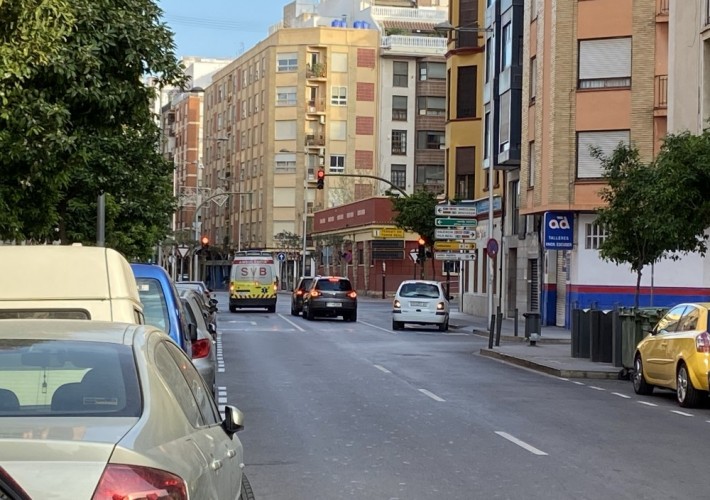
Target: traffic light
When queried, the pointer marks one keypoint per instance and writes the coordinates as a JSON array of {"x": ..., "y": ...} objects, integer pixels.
[
  {"x": 320, "y": 178},
  {"x": 421, "y": 251},
  {"x": 205, "y": 242}
]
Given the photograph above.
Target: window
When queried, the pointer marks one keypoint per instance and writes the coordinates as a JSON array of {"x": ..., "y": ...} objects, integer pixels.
[
  {"x": 595, "y": 235},
  {"x": 432, "y": 71},
  {"x": 489, "y": 59},
  {"x": 337, "y": 164},
  {"x": 400, "y": 72},
  {"x": 427, "y": 139},
  {"x": 589, "y": 167},
  {"x": 515, "y": 207},
  {"x": 605, "y": 63},
  {"x": 486, "y": 135},
  {"x": 533, "y": 10},
  {"x": 155, "y": 305},
  {"x": 398, "y": 176},
  {"x": 285, "y": 96},
  {"x": 466, "y": 91},
  {"x": 531, "y": 164},
  {"x": 285, "y": 130},
  {"x": 338, "y": 130},
  {"x": 399, "y": 108},
  {"x": 431, "y": 106},
  {"x": 285, "y": 163},
  {"x": 506, "y": 57},
  {"x": 339, "y": 96},
  {"x": 285, "y": 62},
  {"x": 339, "y": 62},
  {"x": 433, "y": 175},
  {"x": 399, "y": 142},
  {"x": 176, "y": 383},
  {"x": 533, "y": 79},
  {"x": 464, "y": 187},
  {"x": 504, "y": 123}
]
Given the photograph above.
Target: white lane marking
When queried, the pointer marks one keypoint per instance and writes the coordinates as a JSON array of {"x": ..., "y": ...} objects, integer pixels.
[
  {"x": 647, "y": 403},
  {"x": 222, "y": 400},
  {"x": 621, "y": 395},
  {"x": 431, "y": 395},
  {"x": 597, "y": 388},
  {"x": 219, "y": 357},
  {"x": 382, "y": 368},
  {"x": 252, "y": 323},
  {"x": 520, "y": 443},
  {"x": 297, "y": 327},
  {"x": 562, "y": 379},
  {"x": 378, "y": 327},
  {"x": 684, "y": 414},
  {"x": 578, "y": 383}
]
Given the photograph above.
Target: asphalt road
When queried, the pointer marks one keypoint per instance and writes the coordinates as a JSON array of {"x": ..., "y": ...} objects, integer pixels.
[{"x": 339, "y": 410}]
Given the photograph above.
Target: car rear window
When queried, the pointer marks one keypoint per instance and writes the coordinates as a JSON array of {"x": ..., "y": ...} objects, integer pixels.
[
  {"x": 45, "y": 314},
  {"x": 334, "y": 285},
  {"x": 155, "y": 305},
  {"x": 306, "y": 284},
  {"x": 422, "y": 290},
  {"x": 67, "y": 378}
]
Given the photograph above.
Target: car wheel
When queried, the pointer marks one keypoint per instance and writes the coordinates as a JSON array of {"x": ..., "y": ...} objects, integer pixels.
[
  {"x": 353, "y": 316},
  {"x": 687, "y": 395},
  {"x": 308, "y": 314},
  {"x": 271, "y": 309},
  {"x": 294, "y": 312},
  {"x": 443, "y": 327},
  {"x": 232, "y": 309},
  {"x": 396, "y": 325},
  {"x": 639, "y": 381},
  {"x": 247, "y": 492}
]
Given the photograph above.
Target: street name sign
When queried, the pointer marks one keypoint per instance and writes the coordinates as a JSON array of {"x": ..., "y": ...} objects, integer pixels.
[
  {"x": 455, "y": 210},
  {"x": 388, "y": 232},
  {"x": 455, "y": 222},
  {"x": 455, "y": 234},
  {"x": 454, "y": 256},
  {"x": 453, "y": 245}
]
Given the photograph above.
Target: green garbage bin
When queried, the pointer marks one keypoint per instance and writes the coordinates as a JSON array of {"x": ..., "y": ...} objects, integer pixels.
[{"x": 635, "y": 325}]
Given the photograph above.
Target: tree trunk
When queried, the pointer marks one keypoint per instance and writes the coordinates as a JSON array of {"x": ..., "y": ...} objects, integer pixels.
[{"x": 638, "y": 289}]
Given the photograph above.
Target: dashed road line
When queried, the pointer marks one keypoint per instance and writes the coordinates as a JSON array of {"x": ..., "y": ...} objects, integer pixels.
[
  {"x": 520, "y": 443},
  {"x": 621, "y": 395},
  {"x": 682, "y": 413},
  {"x": 221, "y": 395},
  {"x": 562, "y": 379},
  {"x": 597, "y": 388},
  {"x": 219, "y": 355},
  {"x": 431, "y": 395},
  {"x": 578, "y": 383},
  {"x": 382, "y": 369},
  {"x": 295, "y": 325},
  {"x": 646, "y": 403},
  {"x": 378, "y": 327}
]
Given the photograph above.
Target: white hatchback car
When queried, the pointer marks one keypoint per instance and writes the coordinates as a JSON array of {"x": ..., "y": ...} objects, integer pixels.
[{"x": 422, "y": 303}]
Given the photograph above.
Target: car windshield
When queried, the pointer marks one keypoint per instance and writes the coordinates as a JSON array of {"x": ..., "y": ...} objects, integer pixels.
[
  {"x": 67, "y": 378},
  {"x": 422, "y": 290},
  {"x": 155, "y": 306},
  {"x": 334, "y": 285},
  {"x": 306, "y": 284}
]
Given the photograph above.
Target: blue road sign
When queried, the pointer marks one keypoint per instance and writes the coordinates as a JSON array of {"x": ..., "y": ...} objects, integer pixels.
[
  {"x": 281, "y": 256},
  {"x": 558, "y": 230}
]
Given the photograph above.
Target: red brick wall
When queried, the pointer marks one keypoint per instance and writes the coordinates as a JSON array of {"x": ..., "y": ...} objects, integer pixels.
[
  {"x": 364, "y": 125},
  {"x": 363, "y": 191},
  {"x": 365, "y": 91},
  {"x": 364, "y": 159},
  {"x": 366, "y": 58}
]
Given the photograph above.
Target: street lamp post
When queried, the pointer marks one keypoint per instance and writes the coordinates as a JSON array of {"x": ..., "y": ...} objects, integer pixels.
[{"x": 447, "y": 28}]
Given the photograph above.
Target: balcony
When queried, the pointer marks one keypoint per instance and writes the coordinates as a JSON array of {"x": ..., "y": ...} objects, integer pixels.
[
  {"x": 316, "y": 106},
  {"x": 414, "y": 45},
  {"x": 434, "y": 16},
  {"x": 313, "y": 141},
  {"x": 660, "y": 94},
  {"x": 662, "y": 8},
  {"x": 316, "y": 70}
]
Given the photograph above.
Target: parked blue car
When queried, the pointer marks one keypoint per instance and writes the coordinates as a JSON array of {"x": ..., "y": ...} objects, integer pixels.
[{"x": 162, "y": 306}]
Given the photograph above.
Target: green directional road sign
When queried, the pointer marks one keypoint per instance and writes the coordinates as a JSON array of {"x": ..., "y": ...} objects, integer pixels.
[{"x": 455, "y": 222}]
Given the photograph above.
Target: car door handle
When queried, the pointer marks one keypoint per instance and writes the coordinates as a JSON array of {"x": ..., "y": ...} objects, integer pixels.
[
  {"x": 231, "y": 453},
  {"x": 216, "y": 464}
]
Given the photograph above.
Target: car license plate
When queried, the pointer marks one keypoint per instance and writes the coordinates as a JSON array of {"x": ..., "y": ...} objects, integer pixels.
[
  {"x": 414, "y": 303},
  {"x": 333, "y": 304}
]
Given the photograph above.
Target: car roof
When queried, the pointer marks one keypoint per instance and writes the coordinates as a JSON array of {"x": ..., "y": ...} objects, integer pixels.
[
  {"x": 331, "y": 277},
  {"x": 65, "y": 329},
  {"x": 149, "y": 271},
  {"x": 425, "y": 282}
]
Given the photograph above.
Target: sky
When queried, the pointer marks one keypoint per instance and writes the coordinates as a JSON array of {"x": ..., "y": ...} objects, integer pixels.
[{"x": 220, "y": 28}]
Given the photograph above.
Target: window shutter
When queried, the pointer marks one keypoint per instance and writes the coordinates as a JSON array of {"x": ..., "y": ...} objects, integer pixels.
[
  {"x": 589, "y": 167},
  {"x": 605, "y": 58}
]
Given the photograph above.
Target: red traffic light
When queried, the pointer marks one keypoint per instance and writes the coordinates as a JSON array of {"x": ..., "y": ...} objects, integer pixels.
[
  {"x": 422, "y": 241},
  {"x": 205, "y": 241},
  {"x": 320, "y": 177},
  {"x": 321, "y": 174}
]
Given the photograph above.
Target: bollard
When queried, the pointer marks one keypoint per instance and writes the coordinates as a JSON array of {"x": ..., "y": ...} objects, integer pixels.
[
  {"x": 499, "y": 325},
  {"x": 515, "y": 323}
]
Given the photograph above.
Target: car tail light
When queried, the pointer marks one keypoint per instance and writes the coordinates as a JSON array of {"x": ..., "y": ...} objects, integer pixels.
[
  {"x": 201, "y": 348},
  {"x": 299, "y": 292},
  {"x": 702, "y": 342},
  {"x": 397, "y": 304},
  {"x": 276, "y": 288},
  {"x": 315, "y": 293},
  {"x": 440, "y": 306},
  {"x": 352, "y": 295},
  {"x": 231, "y": 287},
  {"x": 134, "y": 482}
]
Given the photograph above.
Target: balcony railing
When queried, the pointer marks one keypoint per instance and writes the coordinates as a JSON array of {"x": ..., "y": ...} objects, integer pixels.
[
  {"x": 315, "y": 106},
  {"x": 661, "y": 92},
  {"x": 312, "y": 140},
  {"x": 403, "y": 13},
  {"x": 316, "y": 70},
  {"x": 415, "y": 44},
  {"x": 662, "y": 7}
]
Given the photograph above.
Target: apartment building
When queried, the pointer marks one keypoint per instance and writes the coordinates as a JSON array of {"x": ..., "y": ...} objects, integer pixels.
[
  {"x": 302, "y": 99},
  {"x": 593, "y": 74}
]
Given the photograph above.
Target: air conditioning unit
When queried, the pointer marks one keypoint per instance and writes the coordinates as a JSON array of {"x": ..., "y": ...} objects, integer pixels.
[{"x": 322, "y": 120}]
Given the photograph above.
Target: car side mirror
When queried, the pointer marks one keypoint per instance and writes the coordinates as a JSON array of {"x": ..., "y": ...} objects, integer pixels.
[
  {"x": 233, "y": 420},
  {"x": 192, "y": 331},
  {"x": 214, "y": 302}
]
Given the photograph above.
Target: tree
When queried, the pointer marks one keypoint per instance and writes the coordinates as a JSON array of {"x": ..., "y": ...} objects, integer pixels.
[
  {"x": 415, "y": 213},
  {"x": 76, "y": 122},
  {"x": 653, "y": 210},
  {"x": 287, "y": 240}
]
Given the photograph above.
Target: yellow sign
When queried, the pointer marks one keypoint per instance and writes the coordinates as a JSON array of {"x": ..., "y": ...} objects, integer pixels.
[
  {"x": 388, "y": 232},
  {"x": 453, "y": 245}
]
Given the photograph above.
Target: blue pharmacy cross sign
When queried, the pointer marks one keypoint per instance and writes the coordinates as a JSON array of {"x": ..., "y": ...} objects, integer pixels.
[
  {"x": 558, "y": 230},
  {"x": 281, "y": 256}
]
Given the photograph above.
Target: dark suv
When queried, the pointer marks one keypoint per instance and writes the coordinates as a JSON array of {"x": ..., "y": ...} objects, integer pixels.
[
  {"x": 330, "y": 296},
  {"x": 297, "y": 296}
]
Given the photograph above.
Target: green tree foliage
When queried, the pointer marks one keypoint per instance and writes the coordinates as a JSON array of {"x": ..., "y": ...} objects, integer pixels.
[
  {"x": 655, "y": 210},
  {"x": 75, "y": 121},
  {"x": 415, "y": 213},
  {"x": 287, "y": 240}
]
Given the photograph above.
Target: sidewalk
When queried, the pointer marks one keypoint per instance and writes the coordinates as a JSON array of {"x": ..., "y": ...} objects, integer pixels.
[{"x": 552, "y": 353}]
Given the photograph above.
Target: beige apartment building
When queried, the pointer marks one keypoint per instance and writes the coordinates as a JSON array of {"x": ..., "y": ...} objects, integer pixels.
[
  {"x": 301, "y": 100},
  {"x": 594, "y": 74}
]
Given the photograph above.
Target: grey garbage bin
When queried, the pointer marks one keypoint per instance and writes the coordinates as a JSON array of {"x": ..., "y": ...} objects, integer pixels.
[{"x": 532, "y": 323}]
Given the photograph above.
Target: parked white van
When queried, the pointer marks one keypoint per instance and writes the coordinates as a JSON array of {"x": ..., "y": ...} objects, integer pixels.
[{"x": 67, "y": 282}]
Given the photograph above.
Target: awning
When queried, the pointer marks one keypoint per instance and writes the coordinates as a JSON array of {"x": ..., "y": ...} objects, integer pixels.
[{"x": 412, "y": 26}]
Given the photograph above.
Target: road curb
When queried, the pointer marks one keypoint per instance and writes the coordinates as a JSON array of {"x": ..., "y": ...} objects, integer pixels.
[
  {"x": 521, "y": 339},
  {"x": 565, "y": 373}
]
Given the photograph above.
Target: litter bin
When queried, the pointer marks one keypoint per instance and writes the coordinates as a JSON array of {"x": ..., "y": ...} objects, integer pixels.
[
  {"x": 580, "y": 333},
  {"x": 600, "y": 336},
  {"x": 532, "y": 323},
  {"x": 635, "y": 325}
]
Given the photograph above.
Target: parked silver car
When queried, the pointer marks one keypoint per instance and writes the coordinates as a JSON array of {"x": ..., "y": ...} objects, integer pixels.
[
  {"x": 110, "y": 410},
  {"x": 204, "y": 355}
]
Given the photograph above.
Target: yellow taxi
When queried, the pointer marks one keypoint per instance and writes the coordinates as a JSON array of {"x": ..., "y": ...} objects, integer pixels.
[{"x": 676, "y": 355}]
